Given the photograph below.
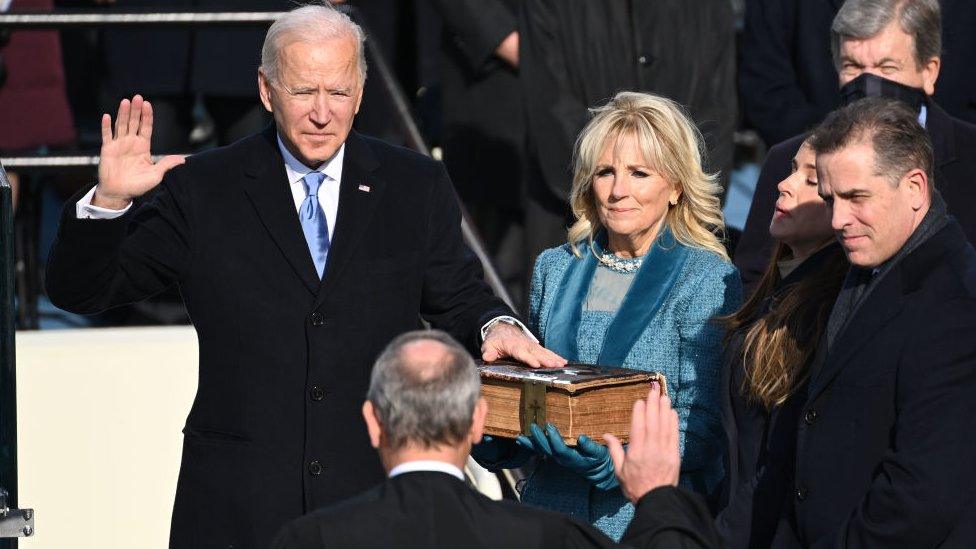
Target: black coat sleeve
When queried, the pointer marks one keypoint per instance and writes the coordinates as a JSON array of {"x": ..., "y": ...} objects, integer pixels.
[
  {"x": 924, "y": 482},
  {"x": 98, "y": 264},
  {"x": 478, "y": 26},
  {"x": 773, "y": 99},
  {"x": 456, "y": 298},
  {"x": 671, "y": 517}
]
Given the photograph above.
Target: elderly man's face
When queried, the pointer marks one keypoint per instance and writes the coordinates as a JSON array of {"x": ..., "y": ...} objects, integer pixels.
[
  {"x": 889, "y": 54},
  {"x": 871, "y": 219},
  {"x": 315, "y": 98}
]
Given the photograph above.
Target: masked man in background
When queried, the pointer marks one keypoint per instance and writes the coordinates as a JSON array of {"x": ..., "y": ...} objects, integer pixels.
[{"x": 889, "y": 48}]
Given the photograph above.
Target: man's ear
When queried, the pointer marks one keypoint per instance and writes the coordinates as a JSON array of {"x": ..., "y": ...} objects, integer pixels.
[
  {"x": 373, "y": 425},
  {"x": 264, "y": 90},
  {"x": 917, "y": 183},
  {"x": 930, "y": 73},
  {"x": 478, "y": 421}
]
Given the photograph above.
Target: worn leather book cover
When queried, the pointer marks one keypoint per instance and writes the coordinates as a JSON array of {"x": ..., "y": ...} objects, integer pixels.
[{"x": 579, "y": 399}]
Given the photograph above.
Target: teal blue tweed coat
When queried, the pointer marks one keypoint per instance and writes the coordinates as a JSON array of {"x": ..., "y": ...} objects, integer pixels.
[{"x": 682, "y": 342}]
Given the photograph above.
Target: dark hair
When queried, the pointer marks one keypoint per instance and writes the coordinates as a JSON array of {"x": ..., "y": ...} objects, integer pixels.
[
  {"x": 779, "y": 342},
  {"x": 900, "y": 143}
]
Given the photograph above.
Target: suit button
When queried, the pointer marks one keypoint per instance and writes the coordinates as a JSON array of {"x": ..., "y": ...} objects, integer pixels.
[
  {"x": 317, "y": 319},
  {"x": 645, "y": 60},
  {"x": 316, "y": 394},
  {"x": 811, "y": 417},
  {"x": 314, "y": 468},
  {"x": 802, "y": 493}
]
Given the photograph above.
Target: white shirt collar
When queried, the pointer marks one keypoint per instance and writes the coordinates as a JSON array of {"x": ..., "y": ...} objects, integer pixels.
[
  {"x": 296, "y": 170},
  {"x": 427, "y": 465}
]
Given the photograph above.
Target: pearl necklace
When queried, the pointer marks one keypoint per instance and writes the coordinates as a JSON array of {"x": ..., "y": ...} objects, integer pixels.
[{"x": 619, "y": 264}]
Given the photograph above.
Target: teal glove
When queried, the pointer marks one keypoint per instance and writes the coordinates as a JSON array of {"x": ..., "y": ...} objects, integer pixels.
[{"x": 589, "y": 459}]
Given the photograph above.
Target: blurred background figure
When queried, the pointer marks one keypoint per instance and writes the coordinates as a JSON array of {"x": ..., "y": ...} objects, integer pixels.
[
  {"x": 576, "y": 54},
  {"x": 483, "y": 126},
  {"x": 34, "y": 111}
]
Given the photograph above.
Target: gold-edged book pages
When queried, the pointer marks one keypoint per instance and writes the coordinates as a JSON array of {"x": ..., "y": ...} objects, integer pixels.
[{"x": 579, "y": 399}]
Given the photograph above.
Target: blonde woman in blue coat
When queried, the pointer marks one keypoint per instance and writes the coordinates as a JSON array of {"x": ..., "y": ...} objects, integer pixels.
[{"x": 637, "y": 285}]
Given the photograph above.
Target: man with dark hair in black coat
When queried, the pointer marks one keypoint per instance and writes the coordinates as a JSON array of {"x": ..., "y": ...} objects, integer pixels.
[
  {"x": 883, "y": 448},
  {"x": 893, "y": 49},
  {"x": 423, "y": 412}
]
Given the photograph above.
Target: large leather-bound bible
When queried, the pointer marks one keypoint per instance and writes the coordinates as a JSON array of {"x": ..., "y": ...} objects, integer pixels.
[{"x": 579, "y": 399}]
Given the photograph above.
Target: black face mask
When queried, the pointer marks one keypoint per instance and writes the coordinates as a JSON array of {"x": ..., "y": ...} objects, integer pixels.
[{"x": 870, "y": 85}]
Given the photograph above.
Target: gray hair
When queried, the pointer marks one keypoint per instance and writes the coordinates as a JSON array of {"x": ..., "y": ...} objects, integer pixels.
[
  {"x": 311, "y": 23},
  {"x": 900, "y": 143},
  {"x": 862, "y": 19},
  {"x": 424, "y": 402}
]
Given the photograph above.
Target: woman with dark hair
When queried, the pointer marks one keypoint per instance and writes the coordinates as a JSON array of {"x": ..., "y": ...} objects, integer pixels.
[{"x": 770, "y": 343}]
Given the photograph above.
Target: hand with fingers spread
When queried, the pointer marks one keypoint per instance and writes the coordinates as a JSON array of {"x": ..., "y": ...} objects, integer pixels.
[
  {"x": 507, "y": 341},
  {"x": 652, "y": 458},
  {"x": 589, "y": 459},
  {"x": 126, "y": 169}
]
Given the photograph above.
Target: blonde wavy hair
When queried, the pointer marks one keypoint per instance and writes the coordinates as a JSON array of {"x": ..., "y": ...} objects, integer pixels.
[{"x": 672, "y": 146}]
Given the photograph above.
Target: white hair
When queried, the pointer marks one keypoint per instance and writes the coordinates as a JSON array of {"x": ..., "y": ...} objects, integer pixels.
[{"x": 309, "y": 24}]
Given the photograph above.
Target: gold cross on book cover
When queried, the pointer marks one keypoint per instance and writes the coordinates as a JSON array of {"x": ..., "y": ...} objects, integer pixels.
[{"x": 578, "y": 399}]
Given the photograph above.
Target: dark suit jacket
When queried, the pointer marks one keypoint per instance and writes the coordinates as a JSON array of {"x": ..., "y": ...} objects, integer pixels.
[
  {"x": 954, "y": 145},
  {"x": 275, "y": 429},
  {"x": 432, "y": 510},
  {"x": 884, "y": 451}
]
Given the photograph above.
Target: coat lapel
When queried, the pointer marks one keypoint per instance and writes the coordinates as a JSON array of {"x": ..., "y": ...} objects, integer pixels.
[
  {"x": 359, "y": 193},
  {"x": 266, "y": 186},
  {"x": 939, "y": 126},
  {"x": 873, "y": 315}
]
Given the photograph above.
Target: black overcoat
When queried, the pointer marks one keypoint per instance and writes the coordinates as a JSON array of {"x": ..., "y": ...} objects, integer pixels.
[
  {"x": 954, "y": 146},
  {"x": 433, "y": 510},
  {"x": 275, "y": 429},
  {"x": 884, "y": 445}
]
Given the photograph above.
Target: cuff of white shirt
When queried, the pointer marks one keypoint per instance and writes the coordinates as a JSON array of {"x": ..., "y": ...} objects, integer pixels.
[
  {"x": 506, "y": 320},
  {"x": 85, "y": 210}
]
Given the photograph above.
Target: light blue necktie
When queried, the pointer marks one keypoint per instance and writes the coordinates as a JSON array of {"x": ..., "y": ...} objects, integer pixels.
[{"x": 313, "y": 221}]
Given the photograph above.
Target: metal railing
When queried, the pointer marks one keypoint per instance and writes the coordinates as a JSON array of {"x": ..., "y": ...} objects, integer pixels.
[{"x": 62, "y": 19}]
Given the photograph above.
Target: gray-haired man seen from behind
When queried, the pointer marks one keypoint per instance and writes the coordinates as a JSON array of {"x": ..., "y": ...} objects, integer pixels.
[{"x": 423, "y": 412}]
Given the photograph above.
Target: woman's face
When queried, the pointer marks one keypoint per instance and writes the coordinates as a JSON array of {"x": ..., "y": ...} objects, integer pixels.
[
  {"x": 631, "y": 198},
  {"x": 801, "y": 220}
]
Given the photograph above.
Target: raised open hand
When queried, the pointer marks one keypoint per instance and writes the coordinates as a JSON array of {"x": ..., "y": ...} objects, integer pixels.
[
  {"x": 126, "y": 169},
  {"x": 652, "y": 458}
]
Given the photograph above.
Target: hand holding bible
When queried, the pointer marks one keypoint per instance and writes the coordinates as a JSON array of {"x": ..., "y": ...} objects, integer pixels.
[{"x": 125, "y": 168}]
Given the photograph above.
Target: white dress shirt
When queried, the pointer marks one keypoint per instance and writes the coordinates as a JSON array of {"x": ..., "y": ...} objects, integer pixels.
[{"x": 427, "y": 465}]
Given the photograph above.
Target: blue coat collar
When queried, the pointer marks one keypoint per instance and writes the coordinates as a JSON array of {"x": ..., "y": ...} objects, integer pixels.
[{"x": 647, "y": 293}]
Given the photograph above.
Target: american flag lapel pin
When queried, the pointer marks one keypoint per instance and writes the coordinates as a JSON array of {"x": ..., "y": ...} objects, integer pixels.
[{"x": 364, "y": 188}]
